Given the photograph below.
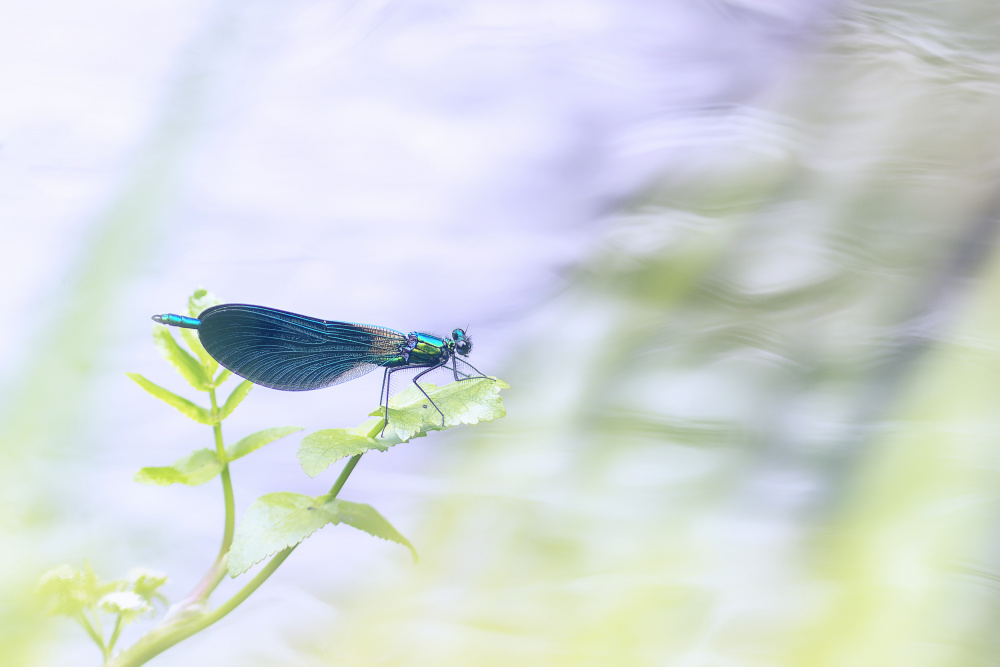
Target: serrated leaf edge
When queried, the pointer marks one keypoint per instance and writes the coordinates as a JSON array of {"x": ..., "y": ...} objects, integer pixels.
[
  {"x": 229, "y": 450},
  {"x": 177, "y": 402},
  {"x": 359, "y": 432},
  {"x": 234, "y": 399},
  {"x": 173, "y": 466},
  {"x": 269, "y": 554},
  {"x": 405, "y": 543},
  {"x": 190, "y": 368}
]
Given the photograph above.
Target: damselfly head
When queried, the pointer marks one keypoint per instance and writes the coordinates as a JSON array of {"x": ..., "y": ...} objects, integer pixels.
[{"x": 463, "y": 344}]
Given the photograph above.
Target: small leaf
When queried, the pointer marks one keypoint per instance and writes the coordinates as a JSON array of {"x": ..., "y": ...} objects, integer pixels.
[
  {"x": 364, "y": 517},
  {"x": 73, "y": 590},
  {"x": 258, "y": 440},
  {"x": 189, "y": 409},
  {"x": 411, "y": 420},
  {"x": 145, "y": 582},
  {"x": 223, "y": 375},
  {"x": 130, "y": 605},
  {"x": 200, "y": 300},
  {"x": 462, "y": 402},
  {"x": 235, "y": 398},
  {"x": 69, "y": 588},
  {"x": 194, "y": 469},
  {"x": 319, "y": 450},
  {"x": 274, "y": 522},
  {"x": 194, "y": 343},
  {"x": 189, "y": 367}
]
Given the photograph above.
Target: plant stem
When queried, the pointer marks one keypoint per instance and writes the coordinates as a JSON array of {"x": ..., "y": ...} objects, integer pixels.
[
  {"x": 114, "y": 635},
  {"x": 344, "y": 474},
  {"x": 172, "y": 632},
  {"x": 98, "y": 639},
  {"x": 227, "y": 484},
  {"x": 254, "y": 584},
  {"x": 99, "y": 632},
  {"x": 199, "y": 594}
]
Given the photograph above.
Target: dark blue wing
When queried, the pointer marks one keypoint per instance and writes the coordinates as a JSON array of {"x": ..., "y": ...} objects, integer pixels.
[{"x": 293, "y": 352}]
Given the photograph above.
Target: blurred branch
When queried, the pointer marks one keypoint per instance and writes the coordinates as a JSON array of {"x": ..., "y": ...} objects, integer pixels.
[{"x": 916, "y": 334}]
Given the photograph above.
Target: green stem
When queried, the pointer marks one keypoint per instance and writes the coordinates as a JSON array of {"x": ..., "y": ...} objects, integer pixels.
[
  {"x": 173, "y": 632},
  {"x": 280, "y": 557},
  {"x": 98, "y": 639},
  {"x": 159, "y": 640},
  {"x": 344, "y": 474},
  {"x": 199, "y": 594},
  {"x": 114, "y": 635},
  {"x": 99, "y": 633},
  {"x": 254, "y": 584},
  {"x": 227, "y": 483}
]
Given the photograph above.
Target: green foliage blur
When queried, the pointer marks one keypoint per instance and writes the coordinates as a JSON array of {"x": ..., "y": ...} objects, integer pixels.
[{"x": 760, "y": 427}]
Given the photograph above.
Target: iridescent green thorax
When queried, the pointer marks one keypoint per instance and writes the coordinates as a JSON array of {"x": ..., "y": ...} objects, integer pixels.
[{"x": 422, "y": 349}]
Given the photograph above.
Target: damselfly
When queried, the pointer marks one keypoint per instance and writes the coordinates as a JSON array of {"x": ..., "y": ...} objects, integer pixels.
[{"x": 292, "y": 352}]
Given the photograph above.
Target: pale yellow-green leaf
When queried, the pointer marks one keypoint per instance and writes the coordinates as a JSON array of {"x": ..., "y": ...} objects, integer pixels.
[
  {"x": 277, "y": 521},
  {"x": 463, "y": 402},
  {"x": 223, "y": 375},
  {"x": 189, "y": 367},
  {"x": 364, "y": 517},
  {"x": 410, "y": 416},
  {"x": 194, "y": 344},
  {"x": 194, "y": 469},
  {"x": 186, "y": 407},
  {"x": 320, "y": 449},
  {"x": 258, "y": 440},
  {"x": 200, "y": 300},
  {"x": 274, "y": 522},
  {"x": 235, "y": 398}
]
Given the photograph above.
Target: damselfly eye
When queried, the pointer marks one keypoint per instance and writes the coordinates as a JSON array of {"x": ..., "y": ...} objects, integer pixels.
[
  {"x": 458, "y": 334},
  {"x": 463, "y": 347}
]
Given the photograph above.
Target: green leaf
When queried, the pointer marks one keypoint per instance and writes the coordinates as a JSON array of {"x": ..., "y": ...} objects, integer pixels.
[
  {"x": 73, "y": 590},
  {"x": 319, "y": 450},
  {"x": 277, "y": 521},
  {"x": 145, "y": 582},
  {"x": 194, "y": 469},
  {"x": 127, "y": 604},
  {"x": 223, "y": 375},
  {"x": 258, "y": 440},
  {"x": 189, "y": 409},
  {"x": 200, "y": 300},
  {"x": 411, "y": 420},
  {"x": 463, "y": 402},
  {"x": 197, "y": 302},
  {"x": 189, "y": 367},
  {"x": 274, "y": 522},
  {"x": 364, "y": 517},
  {"x": 235, "y": 398},
  {"x": 208, "y": 363},
  {"x": 70, "y": 588}
]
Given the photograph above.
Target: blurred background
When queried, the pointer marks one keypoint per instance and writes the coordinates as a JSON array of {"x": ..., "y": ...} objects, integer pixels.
[{"x": 736, "y": 258}]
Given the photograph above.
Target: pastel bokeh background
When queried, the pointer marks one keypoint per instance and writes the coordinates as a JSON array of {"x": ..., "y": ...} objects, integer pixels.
[{"x": 736, "y": 259}]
